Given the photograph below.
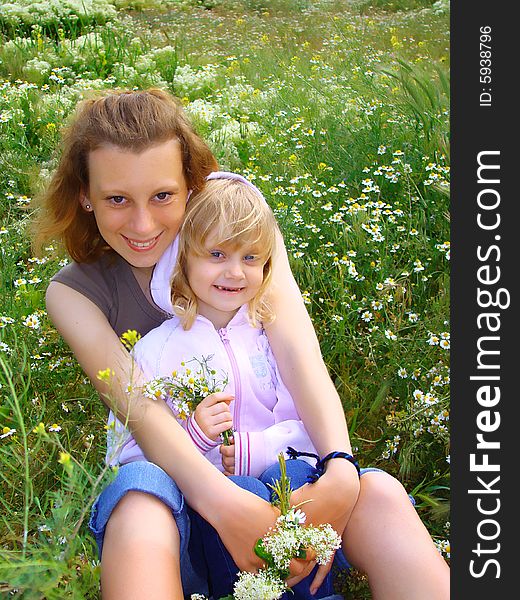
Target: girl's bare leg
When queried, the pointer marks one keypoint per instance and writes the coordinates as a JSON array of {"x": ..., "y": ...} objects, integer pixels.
[
  {"x": 386, "y": 539},
  {"x": 141, "y": 556}
]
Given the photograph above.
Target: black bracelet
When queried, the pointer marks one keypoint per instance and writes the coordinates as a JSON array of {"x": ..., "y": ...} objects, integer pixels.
[
  {"x": 320, "y": 462},
  {"x": 320, "y": 465}
]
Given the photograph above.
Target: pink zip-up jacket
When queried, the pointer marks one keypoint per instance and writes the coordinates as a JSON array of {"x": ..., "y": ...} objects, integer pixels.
[{"x": 265, "y": 419}]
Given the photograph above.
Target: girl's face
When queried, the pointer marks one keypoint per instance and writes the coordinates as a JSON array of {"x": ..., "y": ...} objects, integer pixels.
[
  {"x": 223, "y": 279},
  {"x": 138, "y": 199}
]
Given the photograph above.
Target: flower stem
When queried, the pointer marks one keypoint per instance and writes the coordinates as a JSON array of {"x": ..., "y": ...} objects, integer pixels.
[{"x": 226, "y": 435}]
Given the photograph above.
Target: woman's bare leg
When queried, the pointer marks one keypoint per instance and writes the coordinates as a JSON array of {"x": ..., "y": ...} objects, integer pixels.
[
  {"x": 141, "y": 556},
  {"x": 386, "y": 539}
]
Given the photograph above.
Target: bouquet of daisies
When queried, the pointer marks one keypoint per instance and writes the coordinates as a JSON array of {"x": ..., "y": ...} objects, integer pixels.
[
  {"x": 185, "y": 389},
  {"x": 288, "y": 539}
]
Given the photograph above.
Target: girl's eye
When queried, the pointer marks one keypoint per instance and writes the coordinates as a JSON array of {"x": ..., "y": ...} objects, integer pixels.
[
  {"x": 254, "y": 256},
  {"x": 216, "y": 254}
]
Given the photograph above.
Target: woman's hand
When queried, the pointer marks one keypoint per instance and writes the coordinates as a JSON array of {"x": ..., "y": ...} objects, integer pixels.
[
  {"x": 331, "y": 499},
  {"x": 247, "y": 519}
]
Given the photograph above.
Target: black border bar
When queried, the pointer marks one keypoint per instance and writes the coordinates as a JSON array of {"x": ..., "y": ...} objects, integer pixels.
[{"x": 484, "y": 318}]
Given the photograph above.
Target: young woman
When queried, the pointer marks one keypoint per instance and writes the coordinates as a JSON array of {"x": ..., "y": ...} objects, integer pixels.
[
  {"x": 218, "y": 296},
  {"x": 117, "y": 199}
]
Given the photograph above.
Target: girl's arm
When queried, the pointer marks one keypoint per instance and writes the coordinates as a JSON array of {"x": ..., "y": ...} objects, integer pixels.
[{"x": 239, "y": 516}]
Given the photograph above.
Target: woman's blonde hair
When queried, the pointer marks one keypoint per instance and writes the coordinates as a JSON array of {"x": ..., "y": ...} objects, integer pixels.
[
  {"x": 233, "y": 214},
  {"x": 131, "y": 120}
]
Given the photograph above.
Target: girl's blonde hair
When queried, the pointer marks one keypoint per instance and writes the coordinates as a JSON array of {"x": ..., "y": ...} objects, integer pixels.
[
  {"x": 233, "y": 214},
  {"x": 130, "y": 120}
]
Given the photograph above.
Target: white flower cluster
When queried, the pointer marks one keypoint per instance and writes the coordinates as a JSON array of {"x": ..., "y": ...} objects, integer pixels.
[
  {"x": 183, "y": 390},
  {"x": 35, "y": 67},
  {"x": 52, "y": 11},
  {"x": 203, "y": 111},
  {"x": 287, "y": 539},
  {"x": 244, "y": 95},
  {"x": 264, "y": 585},
  {"x": 188, "y": 80},
  {"x": 391, "y": 447}
]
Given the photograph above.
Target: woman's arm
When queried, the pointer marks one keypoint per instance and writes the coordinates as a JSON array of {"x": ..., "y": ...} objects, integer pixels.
[
  {"x": 298, "y": 355},
  {"x": 239, "y": 516}
]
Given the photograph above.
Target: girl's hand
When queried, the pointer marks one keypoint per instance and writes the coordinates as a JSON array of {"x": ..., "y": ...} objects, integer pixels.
[
  {"x": 213, "y": 415},
  {"x": 228, "y": 457}
]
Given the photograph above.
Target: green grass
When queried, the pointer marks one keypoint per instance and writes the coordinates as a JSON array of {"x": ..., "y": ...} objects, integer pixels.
[{"x": 339, "y": 111}]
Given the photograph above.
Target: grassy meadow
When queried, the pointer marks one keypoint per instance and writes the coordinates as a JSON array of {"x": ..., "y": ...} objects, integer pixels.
[{"x": 339, "y": 112}]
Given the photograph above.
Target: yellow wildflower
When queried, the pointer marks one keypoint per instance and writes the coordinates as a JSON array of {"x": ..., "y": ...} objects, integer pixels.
[
  {"x": 130, "y": 338},
  {"x": 105, "y": 375},
  {"x": 65, "y": 459}
]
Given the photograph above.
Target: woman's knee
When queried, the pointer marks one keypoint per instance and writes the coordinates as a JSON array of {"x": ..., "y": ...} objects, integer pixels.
[
  {"x": 141, "y": 550},
  {"x": 142, "y": 518},
  {"x": 383, "y": 488}
]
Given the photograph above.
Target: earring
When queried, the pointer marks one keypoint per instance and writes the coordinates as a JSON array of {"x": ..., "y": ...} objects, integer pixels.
[{"x": 87, "y": 207}]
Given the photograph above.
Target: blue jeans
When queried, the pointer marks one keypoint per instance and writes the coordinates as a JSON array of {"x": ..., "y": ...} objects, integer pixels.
[{"x": 203, "y": 556}]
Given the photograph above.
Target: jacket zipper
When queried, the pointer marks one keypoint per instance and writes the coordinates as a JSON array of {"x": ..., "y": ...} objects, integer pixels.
[{"x": 236, "y": 375}]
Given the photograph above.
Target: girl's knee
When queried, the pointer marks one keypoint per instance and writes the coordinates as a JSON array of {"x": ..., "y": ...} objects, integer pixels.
[
  {"x": 297, "y": 470},
  {"x": 251, "y": 484}
]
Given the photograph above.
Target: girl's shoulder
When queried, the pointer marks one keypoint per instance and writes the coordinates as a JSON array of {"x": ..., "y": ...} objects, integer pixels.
[{"x": 163, "y": 348}]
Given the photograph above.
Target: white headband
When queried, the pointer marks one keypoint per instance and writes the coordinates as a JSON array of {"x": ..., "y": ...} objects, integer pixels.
[{"x": 235, "y": 177}]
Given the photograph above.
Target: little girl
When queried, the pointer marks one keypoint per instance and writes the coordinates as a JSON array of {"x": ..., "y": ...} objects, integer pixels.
[
  {"x": 223, "y": 269},
  {"x": 218, "y": 297}
]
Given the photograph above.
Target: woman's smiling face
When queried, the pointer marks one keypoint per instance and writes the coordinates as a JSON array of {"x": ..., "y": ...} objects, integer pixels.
[{"x": 138, "y": 200}]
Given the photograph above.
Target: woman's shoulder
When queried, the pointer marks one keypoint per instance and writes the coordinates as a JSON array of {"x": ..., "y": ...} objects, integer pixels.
[
  {"x": 107, "y": 267},
  {"x": 96, "y": 280}
]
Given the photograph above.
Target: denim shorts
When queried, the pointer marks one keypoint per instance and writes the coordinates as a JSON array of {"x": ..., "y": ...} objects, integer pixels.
[{"x": 202, "y": 552}]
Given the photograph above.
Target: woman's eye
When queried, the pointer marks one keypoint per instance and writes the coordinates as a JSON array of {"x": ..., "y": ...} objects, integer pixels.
[
  {"x": 118, "y": 200},
  {"x": 162, "y": 196}
]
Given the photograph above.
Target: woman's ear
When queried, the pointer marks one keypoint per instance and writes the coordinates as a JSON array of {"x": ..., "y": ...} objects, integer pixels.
[{"x": 85, "y": 203}]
